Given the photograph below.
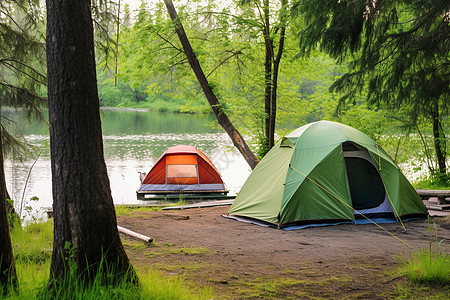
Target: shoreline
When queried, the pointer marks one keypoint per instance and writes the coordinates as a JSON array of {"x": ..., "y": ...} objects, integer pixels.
[{"x": 110, "y": 108}]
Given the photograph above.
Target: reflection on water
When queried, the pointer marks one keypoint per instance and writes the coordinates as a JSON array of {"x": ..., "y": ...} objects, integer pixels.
[{"x": 133, "y": 141}]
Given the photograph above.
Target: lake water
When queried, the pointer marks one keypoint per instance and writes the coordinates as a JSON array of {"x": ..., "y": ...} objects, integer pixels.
[{"x": 133, "y": 141}]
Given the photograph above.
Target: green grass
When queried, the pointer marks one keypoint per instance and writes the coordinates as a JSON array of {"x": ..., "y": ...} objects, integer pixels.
[
  {"x": 184, "y": 250},
  {"x": 189, "y": 251},
  {"x": 32, "y": 244},
  {"x": 428, "y": 268},
  {"x": 123, "y": 210},
  {"x": 32, "y": 248},
  {"x": 264, "y": 288}
]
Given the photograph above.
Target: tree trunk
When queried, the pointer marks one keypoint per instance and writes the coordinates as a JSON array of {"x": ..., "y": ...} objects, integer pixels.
[
  {"x": 439, "y": 143},
  {"x": 85, "y": 226},
  {"x": 117, "y": 45},
  {"x": 8, "y": 277},
  {"x": 268, "y": 43},
  {"x": 13, "y": 217},
  {"x": 276, "y": 68},
  {"x": 217, "y": 108}
]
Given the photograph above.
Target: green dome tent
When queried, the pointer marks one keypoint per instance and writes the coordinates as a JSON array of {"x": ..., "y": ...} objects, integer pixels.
[{"x": 325, "y": 172}]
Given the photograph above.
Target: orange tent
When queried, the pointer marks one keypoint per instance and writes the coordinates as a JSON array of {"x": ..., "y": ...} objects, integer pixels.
[{"x": 182, "y": 169}]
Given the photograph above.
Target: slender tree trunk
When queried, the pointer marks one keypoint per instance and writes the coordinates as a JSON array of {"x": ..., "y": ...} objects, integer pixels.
[
  {"x": 272, "y": 67},
  {"x": 117, "y": 44},
  {"x": 439, "y": 142},
  {"x": 217, "y": 108},
  {"x": 8, "y": 277},
  {"x": 268, "y": 43},
  {"x": 85, "y": 226},
  {"x": 276, "y": 68}
]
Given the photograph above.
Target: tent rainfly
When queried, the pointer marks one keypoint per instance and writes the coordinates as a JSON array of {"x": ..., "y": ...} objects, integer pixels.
[
  {"x": 326, "y": 173},
  {"x": 182, "y": 170}
]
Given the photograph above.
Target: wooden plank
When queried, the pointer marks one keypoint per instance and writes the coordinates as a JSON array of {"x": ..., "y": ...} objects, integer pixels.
[
  {"x": 439, "y": 207},
  {"x": 439, "y": 213},
  {"x": 186, "y": 197},
  {"x": 436, "y": 206},
  {"x": 433, "y": 193},
  {"x": 136, "y": 235},
  {"x": 440, "y": 194},
  {"x": 201, "y": 204}
]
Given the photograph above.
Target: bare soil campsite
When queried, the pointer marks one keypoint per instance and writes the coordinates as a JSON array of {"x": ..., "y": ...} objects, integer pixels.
[{"x": 244, "y": 261}]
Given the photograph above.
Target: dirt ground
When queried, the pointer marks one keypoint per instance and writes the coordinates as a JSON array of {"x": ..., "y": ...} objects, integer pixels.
[{"x": 241, "y": 261}]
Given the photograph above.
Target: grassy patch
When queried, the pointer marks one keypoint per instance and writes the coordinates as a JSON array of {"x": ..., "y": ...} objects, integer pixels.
[
  {"x": 180, "y": 268},
  {"x": 137, "y": 246},
  {"x": 158, "y": 286},
  {"x": 32, "y": 244},
  {"x": 340, "y": 279},
  {"x": 428, "y": 268},
  {"x": 32, "y": 248},
  {"x": 414, "y": 291},
  {"x": 189, "y": 251},
  {"x": 126, "y": 210},
  {"x": 267, "y": 288},
  {"x": 169, "y": 248}
]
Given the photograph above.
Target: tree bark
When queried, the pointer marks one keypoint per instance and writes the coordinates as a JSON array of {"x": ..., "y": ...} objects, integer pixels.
[
  {"x": 268, "y": 43},
  {"x": 217, "y": 108},
  {"x": 439, "y": 139},
  {"x": 8, "y": 276},
  {"x": 85, "y": 226},
  {"x": 276, "y": 68}
]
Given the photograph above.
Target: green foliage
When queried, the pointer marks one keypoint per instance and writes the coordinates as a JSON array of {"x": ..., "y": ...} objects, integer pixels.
[
  {"x": 22, "y": 68},
  {"x": 429, "y": 183},
  {"x": 229, "y": 44},
  {"x": 397, "y": 53},
  {"x": 153, "y": 72}
]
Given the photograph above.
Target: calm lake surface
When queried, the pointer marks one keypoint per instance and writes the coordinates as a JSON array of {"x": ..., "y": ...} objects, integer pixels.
[{"x": 133, "y": 141}]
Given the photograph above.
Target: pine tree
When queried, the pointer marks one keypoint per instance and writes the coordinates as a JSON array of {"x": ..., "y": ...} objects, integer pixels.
[
  {"x": 86, "y": 239},
  {"x": 398, "y": 52},
  {"x": 21, "y": 86}
]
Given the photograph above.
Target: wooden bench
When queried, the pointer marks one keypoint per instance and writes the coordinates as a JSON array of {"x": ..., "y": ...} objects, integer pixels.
[
  {"x": 442, "y": 196},
  {"x": 436, "y": 201}
]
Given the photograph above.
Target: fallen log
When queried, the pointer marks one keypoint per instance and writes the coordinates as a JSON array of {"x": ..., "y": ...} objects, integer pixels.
[{"x": 136, "y": 235}]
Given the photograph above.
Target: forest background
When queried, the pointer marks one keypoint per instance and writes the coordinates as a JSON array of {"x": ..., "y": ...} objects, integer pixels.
[
  {"x": 141, "y": 64},
  {"x": 150, "y": 70}
]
